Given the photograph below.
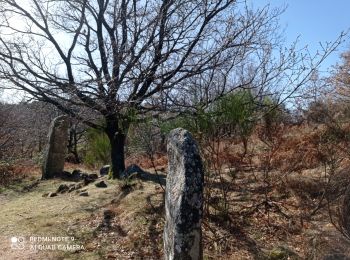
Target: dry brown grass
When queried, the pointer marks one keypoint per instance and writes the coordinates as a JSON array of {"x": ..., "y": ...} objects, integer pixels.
[
  {"x": 158, "y": 161},
  {"x": 266, "y": 211}
]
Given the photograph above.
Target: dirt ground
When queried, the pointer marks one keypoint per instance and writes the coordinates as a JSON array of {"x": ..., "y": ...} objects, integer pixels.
[{"x": 135, "y": 231}]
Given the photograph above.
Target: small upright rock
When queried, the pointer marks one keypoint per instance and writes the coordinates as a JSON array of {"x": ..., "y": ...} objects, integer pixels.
[
  {"x": 183, "y": 198},
  {"x": 55, "y": 151},
  {"x": 104, "y": 170}
]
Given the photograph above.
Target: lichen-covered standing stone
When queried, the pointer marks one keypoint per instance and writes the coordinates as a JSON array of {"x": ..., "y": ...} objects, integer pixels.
[
  {"x": 55, "y": 151},
  {"x": 183, "y": 198}
]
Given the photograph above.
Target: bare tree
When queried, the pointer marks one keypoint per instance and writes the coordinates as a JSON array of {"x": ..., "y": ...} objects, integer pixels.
[
  {"x": 340, "y": 78},
  {"x": 122, "y": 58}
]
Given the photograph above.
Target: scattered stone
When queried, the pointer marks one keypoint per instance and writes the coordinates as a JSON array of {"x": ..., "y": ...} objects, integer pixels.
[
  {"x": 84, "y": 194},
  {"x": 79, "y": 185},
  {"x": 76, "y": 174},
  {"x": 55, "y": 151},
  {"x": 132, "y": 170},
  {"x": 62, "y": 188},
  {"x": 52, "y": 194},
  {"x": 45, "y": 195},
  {"x": 93, "y": 176},
  {"x": 183, "y": 198},
  {"x": 87, "y": 181},
  {"x": 31, "y": 186},
  {"x": 79, "y": 191},
  {"x": 67, "y": 176},
  {"x": 105, "y": 170},
  {"x": 101, "y": 184},
  {"x": 71, "y": 187},
  {"x": 88, "y": 178}
]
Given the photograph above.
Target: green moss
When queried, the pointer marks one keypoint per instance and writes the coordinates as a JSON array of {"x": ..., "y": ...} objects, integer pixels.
[{"x": 281, "y": 253}]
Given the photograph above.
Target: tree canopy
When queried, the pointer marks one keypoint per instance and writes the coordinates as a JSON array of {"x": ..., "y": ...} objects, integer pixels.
[{"x": 121, "y": 58}]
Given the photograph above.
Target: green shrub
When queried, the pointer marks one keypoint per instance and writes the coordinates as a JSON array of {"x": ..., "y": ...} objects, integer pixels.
[
  {"x": 98, "y": 148},
  {"x": 237, "y": 111},
  {"x": 181, "y": 121},
  {"x": 236, "y": 115},
  {"x": 232, "y": 113}
]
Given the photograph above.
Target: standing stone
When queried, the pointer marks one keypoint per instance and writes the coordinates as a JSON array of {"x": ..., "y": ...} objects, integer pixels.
[
  {"x": 55, "y": 151},
  {"x": 183, "y": 198}
]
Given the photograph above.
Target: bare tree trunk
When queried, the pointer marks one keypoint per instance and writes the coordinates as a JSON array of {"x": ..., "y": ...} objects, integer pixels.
[
  {"x": 73, "y": 144},
  {"x": 117, "y": 138}
]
